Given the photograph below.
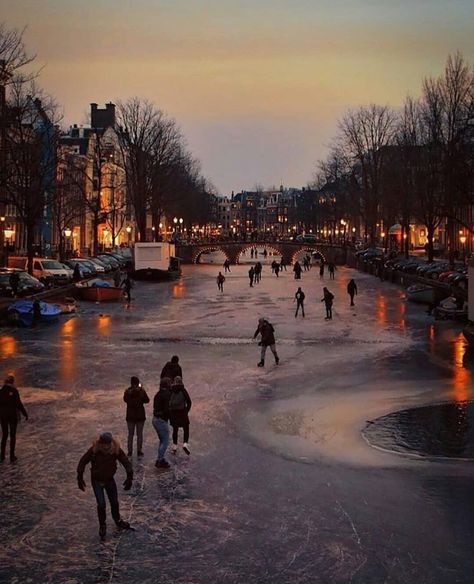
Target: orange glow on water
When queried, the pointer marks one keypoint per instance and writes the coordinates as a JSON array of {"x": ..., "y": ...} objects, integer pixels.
[
  {"x": 381, "y": 308},
  {"x": 8, "y": 346},
  {"x": 461, "y": 381},
  {"x": 178, "y": 289},
  {"x": 67, "y": 359},
  {"x": 69, "y": 326},
  {"x": 103, "y": 324}
]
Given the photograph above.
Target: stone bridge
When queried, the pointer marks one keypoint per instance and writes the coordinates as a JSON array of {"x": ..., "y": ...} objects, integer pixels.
[{"x": 190, "y": 254}]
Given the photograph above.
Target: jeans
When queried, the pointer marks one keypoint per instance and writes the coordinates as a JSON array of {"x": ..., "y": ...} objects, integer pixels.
[
  {"x": 329, "y": 311},
  {"x": 162, "y": 429},
  {"x": 298, "y": 305},
  {"x": 111, "y": 489},
  {"x": 131, "y": 431},
  {"x": 185, "y": 431},
  {"x": 9, "y": 424},
  {"x": 264, "y": 350}
]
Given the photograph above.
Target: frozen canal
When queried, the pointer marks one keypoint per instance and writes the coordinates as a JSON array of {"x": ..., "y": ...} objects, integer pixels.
[{"x": 281, "y": 485}]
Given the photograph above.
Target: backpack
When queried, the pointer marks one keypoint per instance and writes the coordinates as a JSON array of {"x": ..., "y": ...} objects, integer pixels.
[{"x": 177, "y": 401}]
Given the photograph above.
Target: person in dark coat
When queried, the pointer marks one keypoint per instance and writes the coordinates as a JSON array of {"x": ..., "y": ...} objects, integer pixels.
[
  {"x": 14, "y": 282},
  {"x": 220, "y": 282},
  {"x": 331, "y": 270},
  {"x": 251, "y": 276},
  {"x": 127, "y": 287},
  {"x": 161, "y": 414},
  {"x": 297, "y": 270},
  {"x": 321, "y": 269},
  {"x": 352, "y": 290},
  {"x": 10, "y": 407},
  {"x": 179, "y": 406},
  {"x": 299, "y": 298},
  {"x": 172, "y": 369},
  {"x": 328, "y": 300},
  {"x": 135, "y": 397},
  {"x": 103, "y": 456},
  {"x": 267, "y": 335},
  {"x": 76, "y": 275}
]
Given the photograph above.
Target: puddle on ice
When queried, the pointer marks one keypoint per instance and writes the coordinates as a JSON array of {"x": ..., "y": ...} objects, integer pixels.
[{"x": 440, "y": 430}]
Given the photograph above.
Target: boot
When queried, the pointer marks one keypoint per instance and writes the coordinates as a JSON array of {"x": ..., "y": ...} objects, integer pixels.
[
  {"x": 102, "y": 530},
  {"x": 122, "y": 524},
  {"x": 261, "y": 364}
]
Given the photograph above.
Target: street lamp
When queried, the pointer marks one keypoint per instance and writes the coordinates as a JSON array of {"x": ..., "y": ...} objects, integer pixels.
[
  {"x": 128, "y": 229},
  {"x": 462, "y": 239}
]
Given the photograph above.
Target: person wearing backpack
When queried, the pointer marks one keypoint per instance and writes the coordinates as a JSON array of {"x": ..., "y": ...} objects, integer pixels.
[
  {"x": 328, "y": 299},
  {"x": 135, "y": 397},
  {"x": 179, "y": 406}
]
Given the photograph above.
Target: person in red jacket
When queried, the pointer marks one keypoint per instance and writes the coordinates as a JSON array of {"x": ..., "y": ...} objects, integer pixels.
[{"x": 103, "y": 456}]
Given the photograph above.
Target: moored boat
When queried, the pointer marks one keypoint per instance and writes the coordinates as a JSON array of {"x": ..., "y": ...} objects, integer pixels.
[
  {"x": 99, "y": 291},
  {"x": 21, "y": 312},
  {"x": 421, "y": 293}
]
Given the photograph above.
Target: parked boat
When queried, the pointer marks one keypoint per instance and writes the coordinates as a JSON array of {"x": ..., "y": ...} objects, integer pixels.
[
  {"x": 99, "y": 291},
  {"x": 21, "y": 312},
  {"x": 421, "y": 293},
  {"x": 451, "y": 309}
]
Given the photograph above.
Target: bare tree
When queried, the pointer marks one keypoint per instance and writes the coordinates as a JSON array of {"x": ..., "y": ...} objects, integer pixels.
[
  {"x": 13, "y": 56},
  {"x": 363, "y": 134}
]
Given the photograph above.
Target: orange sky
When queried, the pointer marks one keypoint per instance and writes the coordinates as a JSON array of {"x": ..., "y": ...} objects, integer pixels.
[{"x": 257, "y": 86}]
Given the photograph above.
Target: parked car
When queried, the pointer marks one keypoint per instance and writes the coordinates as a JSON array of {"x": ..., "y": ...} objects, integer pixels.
[
  {"x": 94, "y": 268},
  {"x": 118, "y": 258},
  {"x": 84, "y": 270},
  {"x": 26, "y": 286},
  {"x": 50, "y": 272},
  {"x": 97, "y": 262},
  {"x": 109, "y": 260}
]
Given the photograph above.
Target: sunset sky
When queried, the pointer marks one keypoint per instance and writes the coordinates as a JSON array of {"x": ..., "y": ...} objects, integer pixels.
[{"x": 257, "y": 86}]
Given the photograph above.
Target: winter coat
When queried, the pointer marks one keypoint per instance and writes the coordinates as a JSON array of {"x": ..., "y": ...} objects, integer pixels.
[
  {"x": 103, "y": 459},
  {"x": 300, "y": 296},
  {"x": 328, "y": 298},
  {"x": 352, "y": 288},
  {"x": 179, "y": 395},
  {"x": 161, "y": 404},
  {"x": 171, "y": 370},
  {"x": 10, "y": 402},
  {"x": 266, "y": 330},
  {"x": 135, "y": 398}
]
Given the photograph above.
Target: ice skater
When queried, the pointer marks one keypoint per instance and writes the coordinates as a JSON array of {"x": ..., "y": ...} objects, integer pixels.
[
  {"x": 352, "y": 290},
  {"x": 267, "y": 335},
  {"x": 103, "y": 456},
  {"x": 127, "y": 287},
  {"x": 251, "y": 276},
  {"x": 161, "y": 416},
  {"x": 135, "y": 397},
  {"x": 321, "y": 269},
  {"x": 172, "y": 369},
  {"x": 179, "y": 406},
  {"x": 328, "y": 300},
  {"x": 10, "y": 409},
  {"x": 331, "y": 270},
  {"x": 226, "y": 266},
  {"x": 299, "y": 298},
  {"x": 220, "y": 281}
]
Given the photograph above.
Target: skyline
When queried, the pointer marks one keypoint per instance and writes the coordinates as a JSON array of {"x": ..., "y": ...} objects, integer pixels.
[{"x": 257, "y": 90}]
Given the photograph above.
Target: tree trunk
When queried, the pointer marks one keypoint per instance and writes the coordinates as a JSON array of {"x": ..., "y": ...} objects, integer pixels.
[
  {"x": 30, "y": 231},
  {"x": 430, "y": 236},
  {"x": 95, "y": 238}
]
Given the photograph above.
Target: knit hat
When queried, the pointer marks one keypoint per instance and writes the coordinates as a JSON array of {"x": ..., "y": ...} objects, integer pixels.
[
  {"x": 10, "y": 379},
  {"x": 105, "y": 438},
  {"x": 177, "y": 380}
]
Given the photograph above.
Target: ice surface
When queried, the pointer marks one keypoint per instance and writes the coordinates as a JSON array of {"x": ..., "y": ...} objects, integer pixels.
[{"x": 280, "y": 485}]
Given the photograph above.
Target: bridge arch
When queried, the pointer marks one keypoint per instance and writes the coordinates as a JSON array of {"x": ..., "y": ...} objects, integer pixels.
[
  {"x": 311, "y": 250},
  {"x": 271, "y": 246},
  {"x": 198, "y": 252}
]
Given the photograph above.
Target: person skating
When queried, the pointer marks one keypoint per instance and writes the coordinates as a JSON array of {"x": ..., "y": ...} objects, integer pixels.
[
  {"x": 135, "y": 397},
  {"x": 297, "y": 270},
  {"x": 76, "y": 275},
  {"x": 277, "y": 269},
  {"x": 258, "y": 272},
  {"x": 328, "y": 300},
  {"x": 10, "y": 408},
  {"x": 160, "y": 420},
  {"x": 267, "y": 335},
  {"x": 352, "y": 290},
  {"x": 226, "y": 266},
  {"x": 299, "y": 297},
  {"x": 220, "y": 281},
  {"x": 14, "y": 281},
  {"x": 179, "y": 405},
  {"x": 36, "y": 309},
  {"x": 331, "y": 270},
  {"x": 103, "y": 456},
  {"x": 172, "y": 369},
  {"x": 282, "y": 265},
  {"x": 127, "y": 287},
  {"x": 117, "y": 278},
  {"x": 251, "y": 276},
  {"x": 305, "y": 264},
  {"x": 321, "y": 269}
]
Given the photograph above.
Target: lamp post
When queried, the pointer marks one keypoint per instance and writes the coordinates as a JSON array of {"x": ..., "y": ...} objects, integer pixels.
[
  {"x": 462, "y": 239},
  {"x": 153, "y": 230},
  {"x": 67, "y": 233},
  {"x": 128, "y": 229},
  {"x": 384, "y": 242}
]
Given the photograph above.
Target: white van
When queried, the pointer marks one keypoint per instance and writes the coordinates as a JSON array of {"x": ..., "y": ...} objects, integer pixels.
[{"x": 48, "y": 271}]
